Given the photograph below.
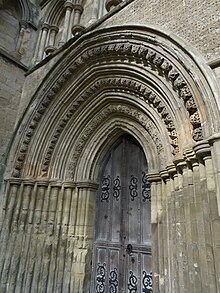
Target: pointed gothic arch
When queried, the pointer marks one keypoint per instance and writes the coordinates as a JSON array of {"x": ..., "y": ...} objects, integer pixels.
[
  {"x": 158, "y": 76},
  {"x": 135, "y": 80}
]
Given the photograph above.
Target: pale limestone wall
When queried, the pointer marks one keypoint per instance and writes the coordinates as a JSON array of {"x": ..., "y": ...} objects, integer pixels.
[
  {"x": 195, "y": 21},
  {"x": 9, "y": 30},
  {"x": 92, "y": 12},
  {"x": 18, "y": 33},
  {"x": 17, "y": 42}
]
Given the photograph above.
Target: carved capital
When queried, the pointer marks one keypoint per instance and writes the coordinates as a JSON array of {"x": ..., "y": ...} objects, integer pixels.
[
  {"x": 164, "y": 174},
  {"x": 14, "y": 181},
  {"x": 109, "y": 4},
  {"x": 69, "y": 184},
  {"x": 153, "y": 177},
  {"x": 23, "y": 24},
  {"x": 45, "y": 26},
  {"x": 55, "y": 183},
  {"x": 54, "y": 28},
  {"x": 68, "y": 5},
  {"x": 87, "y": 185},
  {"x": 42, "y": 182},
  {"x": 78, "y": 7},
  {"x": 202, "y": 149},
  {"x": 190, "y": 158},
  {"x": 49, "y": 49},
  {"x": 28, "y": 181},
  {"x": 77, "y": 29},
  {"x": 171, "y": 170}
]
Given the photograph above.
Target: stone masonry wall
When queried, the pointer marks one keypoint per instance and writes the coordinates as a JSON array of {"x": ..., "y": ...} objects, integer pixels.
[
  {"x": 196, "y": 21},
  {"x": 11, "y": 83}
]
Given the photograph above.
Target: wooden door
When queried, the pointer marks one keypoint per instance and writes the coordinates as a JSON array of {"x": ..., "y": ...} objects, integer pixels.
[{"x": 122, "y": 245}]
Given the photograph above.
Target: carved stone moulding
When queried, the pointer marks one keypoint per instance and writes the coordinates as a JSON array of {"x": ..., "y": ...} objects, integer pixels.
[
  {"x": 125, "y": 49},
  {"x": 118, "y": 83},
  {"x": 104, "y": 114}
]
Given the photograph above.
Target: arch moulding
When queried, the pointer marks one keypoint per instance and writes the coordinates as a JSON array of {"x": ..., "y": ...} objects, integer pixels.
[{"x": 151, "y": 60}]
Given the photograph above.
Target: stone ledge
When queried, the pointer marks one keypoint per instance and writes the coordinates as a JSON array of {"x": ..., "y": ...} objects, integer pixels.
[
  {"x": 76, "y": 37},
  {"x": 12, "y": 59},
  {"x": 214, "y": 63}
]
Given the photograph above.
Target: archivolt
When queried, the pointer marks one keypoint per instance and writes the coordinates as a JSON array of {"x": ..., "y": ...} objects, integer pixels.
[
  {"x": 108, "y": 85},
  {"x": 141, "y": 62},
  {"x": 118, "y": 111},
  {"x": 54, "y": 12},
  {"x": 25, "y": 12}
]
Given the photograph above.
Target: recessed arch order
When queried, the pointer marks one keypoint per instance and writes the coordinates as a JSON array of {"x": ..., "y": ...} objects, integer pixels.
[{"x": 129, "y": 75}]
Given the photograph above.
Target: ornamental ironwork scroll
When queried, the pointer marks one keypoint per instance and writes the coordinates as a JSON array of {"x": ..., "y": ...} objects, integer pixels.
[
  {"x": 105, "y": 188},
  {"x": 145, "y": 188},
  {"x": 100, "y": 278},
  {"x": 147, "y": 282},
  {"x": 133, "y": 187},
  {"x": 132, "y": 283},
  {"x": 113, "y": 281},
  {"x": 116, "y": 187}
]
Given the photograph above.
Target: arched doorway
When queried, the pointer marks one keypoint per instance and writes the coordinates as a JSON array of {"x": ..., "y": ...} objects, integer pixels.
[
  {"x": 134, "y": 80},
  {"x": 122, "y": 244}
]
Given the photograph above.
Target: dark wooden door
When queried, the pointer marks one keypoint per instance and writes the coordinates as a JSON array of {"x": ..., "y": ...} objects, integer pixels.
[{"x": 122, "y": 246}]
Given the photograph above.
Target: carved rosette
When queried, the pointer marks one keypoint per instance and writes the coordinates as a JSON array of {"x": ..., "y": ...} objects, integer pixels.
[{"x": 121, "y": 50}]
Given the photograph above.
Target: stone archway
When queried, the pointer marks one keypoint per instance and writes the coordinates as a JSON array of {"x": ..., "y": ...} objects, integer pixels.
[{"x": 134, "y": 80}]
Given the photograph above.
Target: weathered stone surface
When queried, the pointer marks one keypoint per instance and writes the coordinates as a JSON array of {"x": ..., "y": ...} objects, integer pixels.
[
  {"x": 196, "y": 22},
  {"x": 11, "y": 82},
  {"x": 112, "y": 78}
]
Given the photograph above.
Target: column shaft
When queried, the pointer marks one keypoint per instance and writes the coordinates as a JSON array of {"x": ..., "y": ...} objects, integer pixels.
[
  {"x": 69, "y": 8},
  {"x": 42, "y": 42}
]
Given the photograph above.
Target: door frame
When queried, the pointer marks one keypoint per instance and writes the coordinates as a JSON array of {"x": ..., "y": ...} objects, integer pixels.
[{"x": 147, "y": 278}]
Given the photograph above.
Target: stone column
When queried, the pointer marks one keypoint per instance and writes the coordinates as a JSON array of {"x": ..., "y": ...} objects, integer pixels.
[
  {"x": 180, "y": 223},
  {"x": 53, "y": 232},
  {"x": 160, "y": 235},
  {"x": 42, "y": 42},
  {"x": 195, "y": 205},
  {"x": 84, "y": 235},
  {"x": 165, "y": 193},
  {"x": 215, "y": 149},
  {"x": 203, "y": 152},
  {"x": 101, "y": 8},
  {"x": 51, "y": 42},
  {"x": 172, "y": 229},
  {"x": 78, "y": 11},
  {"x": 77, "y": 28},
  {"x": 22, "y": 239},
  {"x": 38, "y": 237},
  {"x": 95, "y": 10},
  {"x": 8, "y": 233},
  {"x": 213, "y": 251},
  {"x": 36, "y": 52},
  {"x": 154, "y": 179},
  {"x": 68, "y": 240},
  {"x": 71, "y": 25},
  {"x": 68, "y": 10}
]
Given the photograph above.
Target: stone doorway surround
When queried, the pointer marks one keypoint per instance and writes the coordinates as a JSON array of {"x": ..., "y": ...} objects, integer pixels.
[{"x": 136, "y": 80}]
